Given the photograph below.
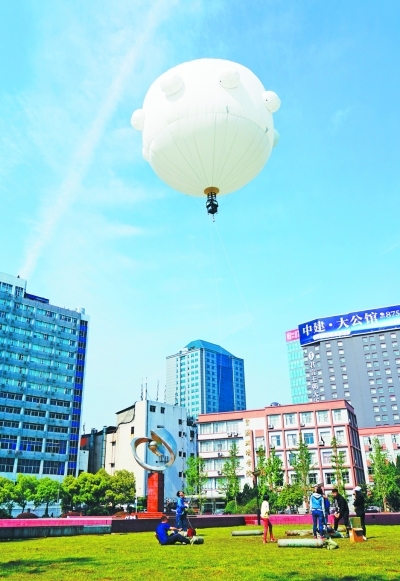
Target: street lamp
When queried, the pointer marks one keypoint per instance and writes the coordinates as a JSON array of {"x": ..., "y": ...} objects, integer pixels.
[{"x": 256, "y": 474}]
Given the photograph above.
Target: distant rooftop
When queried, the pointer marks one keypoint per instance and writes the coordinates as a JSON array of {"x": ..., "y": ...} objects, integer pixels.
[{"x": 199, "y": 344}]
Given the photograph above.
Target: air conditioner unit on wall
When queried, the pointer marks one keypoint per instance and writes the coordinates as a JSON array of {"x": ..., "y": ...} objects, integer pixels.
[
  {"x": 270, "y": 427},
  {"x": 302, "y": 424}
]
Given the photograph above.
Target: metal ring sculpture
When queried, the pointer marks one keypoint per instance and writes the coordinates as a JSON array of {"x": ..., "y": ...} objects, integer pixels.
[{"x": 160, "y": 443}]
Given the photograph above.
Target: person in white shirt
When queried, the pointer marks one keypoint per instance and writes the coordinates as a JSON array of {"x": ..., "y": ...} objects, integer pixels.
[{"x": 266, "y": 521}]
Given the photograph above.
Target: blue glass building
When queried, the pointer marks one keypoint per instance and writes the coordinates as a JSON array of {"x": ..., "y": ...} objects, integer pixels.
[
  {"x": 205, "y": 378},
  {"x": 297, "y": 374},
  {"x": 42, "y": 366}
]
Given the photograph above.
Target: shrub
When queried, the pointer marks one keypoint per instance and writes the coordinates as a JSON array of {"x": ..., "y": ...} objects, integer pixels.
[
  {"x": 230, "y": 507},
  {"x": 97, "y": 511},
  {"x": 250, "y": 507}
]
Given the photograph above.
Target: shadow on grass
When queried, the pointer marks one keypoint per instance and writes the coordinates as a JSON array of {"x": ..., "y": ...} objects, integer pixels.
[
  {"x": 363, "y": 577},
  {"x": 30, "y": 566}
]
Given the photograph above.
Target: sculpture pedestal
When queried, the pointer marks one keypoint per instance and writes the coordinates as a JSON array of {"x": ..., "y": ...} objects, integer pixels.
[{"x": 155, "y": 492}]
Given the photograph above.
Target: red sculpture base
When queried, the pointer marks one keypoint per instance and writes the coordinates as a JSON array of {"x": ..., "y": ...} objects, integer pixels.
[{"x": 155, "y": 492}]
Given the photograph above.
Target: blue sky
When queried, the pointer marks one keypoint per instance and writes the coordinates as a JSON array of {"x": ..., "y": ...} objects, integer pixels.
[{"x": 85, "y": 219}]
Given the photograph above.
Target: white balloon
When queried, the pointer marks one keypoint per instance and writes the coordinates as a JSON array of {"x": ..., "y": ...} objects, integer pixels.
[{"x": 207, "y": 124}]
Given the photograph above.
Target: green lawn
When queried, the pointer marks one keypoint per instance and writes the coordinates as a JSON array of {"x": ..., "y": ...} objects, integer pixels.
[{"x": 138, "y": 556}]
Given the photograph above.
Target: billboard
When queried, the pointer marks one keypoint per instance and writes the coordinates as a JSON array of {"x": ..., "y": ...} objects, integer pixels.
[
  {"x": 349, "y": 324},
  {"x": 292, "y": 335}
]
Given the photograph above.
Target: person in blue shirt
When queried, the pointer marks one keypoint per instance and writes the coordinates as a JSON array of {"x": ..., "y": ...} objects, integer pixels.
[
  {"x": 317, "y": 506},
  {"x": 181, "y": 511},
  {"x": 166, "y": 539}
]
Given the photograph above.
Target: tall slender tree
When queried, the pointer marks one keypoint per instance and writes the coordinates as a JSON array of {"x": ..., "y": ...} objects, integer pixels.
[
  {"x": 383, "y": 474},
  {"x": 301, "y": 462},
  {"x": 196, "y": 478},
  {"x": 230, "y": 483},
  {"x": 338, "y": 461},
  {"x": 271, "y": 472}
]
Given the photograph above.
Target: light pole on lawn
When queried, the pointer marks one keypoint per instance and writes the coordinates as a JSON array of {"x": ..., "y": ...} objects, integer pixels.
[{"x": 256, "y": 474}]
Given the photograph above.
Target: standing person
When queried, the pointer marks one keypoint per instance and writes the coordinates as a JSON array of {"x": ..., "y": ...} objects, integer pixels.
[
  {"x": 181, "y": 511},
  {"x": 342, "y": 511},
  {"x": 327, "y": 507},
  {"x": 265, "y": 518},
  {"x": 164, "y": 538},
  {"x": 317, "y": 511},
  {"x": 359, "y": 507}
]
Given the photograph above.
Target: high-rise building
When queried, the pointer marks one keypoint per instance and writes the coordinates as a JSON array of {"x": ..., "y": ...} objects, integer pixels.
[
  {"x": 355, "y": 356},
  {"x": 205, "y": 378},
  {"x": 297, "y": 374},
  {"x": 42, "y": 364}
]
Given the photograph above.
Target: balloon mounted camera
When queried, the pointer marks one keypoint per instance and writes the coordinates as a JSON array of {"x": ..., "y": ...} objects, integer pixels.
[{"x": 207, "y": 127}]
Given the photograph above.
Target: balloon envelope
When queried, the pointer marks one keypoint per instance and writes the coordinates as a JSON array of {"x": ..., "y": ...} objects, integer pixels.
[{"x": 207, "y": 124}]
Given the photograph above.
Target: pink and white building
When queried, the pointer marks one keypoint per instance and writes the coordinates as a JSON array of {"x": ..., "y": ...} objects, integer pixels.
[
  {"x": 279, "y": 427},
  {"x": 389, "y": 439}
]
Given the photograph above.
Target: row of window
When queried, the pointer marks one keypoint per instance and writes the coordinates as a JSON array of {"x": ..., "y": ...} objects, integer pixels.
[
  {"x": 28, "y": 466},
  {"x": 37, "y": 427},
  {"x": 307, "y": 418},
  {"x": 30, "y": 444}
]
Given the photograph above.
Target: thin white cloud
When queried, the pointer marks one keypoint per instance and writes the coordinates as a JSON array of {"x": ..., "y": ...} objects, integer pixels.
[
  {"x": 339, "y": 117},
  {"x": 83, "y": 154}
]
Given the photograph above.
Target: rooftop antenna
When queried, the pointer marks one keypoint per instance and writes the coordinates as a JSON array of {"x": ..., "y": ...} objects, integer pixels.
[
  {"x": 158, "y": 388},
  {"x": 145, "y": 393},
  {"x": 141, "y": 390},
  {"x": 165, "y": 393}
]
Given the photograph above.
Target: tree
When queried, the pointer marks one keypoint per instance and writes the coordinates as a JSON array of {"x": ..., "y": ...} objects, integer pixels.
[
  {"x": 196, "y": 478},
  {"x": 47, "y": 492},
  {"x": 92, "y": 488},
  {"x": 338, "y": 460},
  {"x": 290, "y": 495},
  {"x": 383, "y": 473},
  {"x": 271, "y": 472},
  {"x": 230, "y": 484},
  {"x": 122, "y": 488},
  {"x": 6, "y": 495},
  {"x": 301, "y": 462},
  {"x": 69, "y": 493},
  {"x": 24, "y": 490}
]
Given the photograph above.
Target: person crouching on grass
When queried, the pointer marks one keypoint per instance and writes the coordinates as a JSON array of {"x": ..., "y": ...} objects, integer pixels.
[
  {"x": 166, "y": 539},
  {"x": 265, "y": 518}
]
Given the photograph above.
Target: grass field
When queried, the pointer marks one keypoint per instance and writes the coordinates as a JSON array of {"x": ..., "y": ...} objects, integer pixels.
[{"x": 138, "y": 556}]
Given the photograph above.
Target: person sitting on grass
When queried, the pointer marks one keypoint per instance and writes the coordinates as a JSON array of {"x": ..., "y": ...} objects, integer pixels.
[{"x": 166, "y": 539}]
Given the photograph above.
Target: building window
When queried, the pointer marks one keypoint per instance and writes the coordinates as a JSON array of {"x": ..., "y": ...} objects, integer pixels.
[
  {"x": 6, "y": 464},
  {"x": 326, "y": 457},
  {"x": 290, "y": 419},
  {"x": 163, "y": 410},
  {"x": 292, "y": 439},
  {"x": 330, "y": 478},
  {"x": 28, "y": 466},
  {"x": 152, "y": 408},
  {"x": 339, "y": 436},
  {"x": 312, "y": 479},
  {"x": 323, "y": 416},
  {"x": 308, "y": 438},
  {"x": 273, "y": 421},
  {"x": 337, "y": 415},
  {"x": 275, "y": 440}
]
